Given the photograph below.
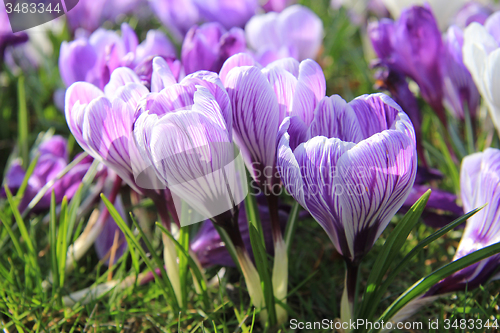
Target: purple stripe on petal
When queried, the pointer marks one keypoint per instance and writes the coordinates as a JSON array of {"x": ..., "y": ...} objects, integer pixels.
[{"x": 237, "y": 60}]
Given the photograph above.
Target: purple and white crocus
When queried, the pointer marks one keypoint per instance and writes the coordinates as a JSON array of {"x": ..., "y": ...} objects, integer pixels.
[
  {"x": 352, "y": 168},
  {"x": 480, "y": 184}
]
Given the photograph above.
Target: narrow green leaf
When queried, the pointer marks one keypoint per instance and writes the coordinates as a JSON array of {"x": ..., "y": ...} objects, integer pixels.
[
  {"x": 291, "y": 224},
  {"x": 24, "y": 184},
  {"x": 62, "y": 241},
  {"x": 389, "y": 251},
  {"x": 73, "y": 210},
  {"x": 53, "y": 243},
  {"x": 262, "y": 265},
  {"x": 425, "y": 283},
  {"x": 253, "y": 216},
  {"x": 229, "y": 245},
  {"x": 192, "y": 264},
  {"x": 22, "y": 122}
]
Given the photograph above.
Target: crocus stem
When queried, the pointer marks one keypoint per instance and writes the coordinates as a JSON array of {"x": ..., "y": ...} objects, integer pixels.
[
  {"x": 349, "y": 294},
  {"x": 272, "y": 201}
]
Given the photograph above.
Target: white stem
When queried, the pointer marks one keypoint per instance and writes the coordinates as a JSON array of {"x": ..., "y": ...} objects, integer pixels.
[
  {"x": 170, "y": 258},
  {"x": 280, "y": 278},
  {"x": 346, "y": 307},
  {"x": 252, "y": 280}
]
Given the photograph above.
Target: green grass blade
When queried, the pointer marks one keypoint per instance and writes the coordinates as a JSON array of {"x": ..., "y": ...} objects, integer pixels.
[
  {"x": 390, "y": 249},
  {"x": 228, "y": 243},
  {"x": 53, "y": 243},
  {"x": 430, "y": 280},
  {"x": 24, "y": 184},
  {"x": 291, "y": 225},
  {"x": 192, "y": 264},
  {"x": 262, "y": 265},
  {"x": 73, "y": 210},
  {"x": 22, "y": 122},
  {"x": 62, "y": 241},
  {"x": 253, "y": 216}
]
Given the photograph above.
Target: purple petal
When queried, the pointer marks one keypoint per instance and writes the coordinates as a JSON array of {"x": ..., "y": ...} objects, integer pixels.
[
  {"x": 472, "y": 12},
  {"x": 177, "y": 16},
  {"x": 238, "y": 60},
  {"x": 200, "y": 50},
  {"x": 229, "y": 13},
  {"x": 284, "y": 85},
  {"x": 256, "y": 115},
  {"x": 76, "y": 60},
  {"x": 492, "y": 26},
  {"x": 262, "y": 32},
  {"x": 78, "y": 96},
  {"x": 311, "y": 88},
  {"x": 162, "y": 75},
  {"x": 155, "y": 44},
  {"x": 129, "y": 37},
  {"x": 289, "y": 64},
  {"x": 119, "y": 78}
]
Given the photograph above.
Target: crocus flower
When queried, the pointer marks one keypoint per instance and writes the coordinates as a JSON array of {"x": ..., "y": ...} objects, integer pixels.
[
  {"x": 185, "y": 134},
  {"x": 8, "y": 38},
  {"x": 352, "y": 169},
  {"x": 480, "y": 184},
  {"x": 52, "y": 160},
  {"x": 93, "y": 59},
  {"x": 354, "y": 176},
  {"x": 295, "y": 32},
  {"x": 481, "y": 55},
  {"x": 412, "y": 45},
  {"x": 459, "y": 89},
  {"x": 207, "y": 47},
  {"x": 472, "y": 11}
]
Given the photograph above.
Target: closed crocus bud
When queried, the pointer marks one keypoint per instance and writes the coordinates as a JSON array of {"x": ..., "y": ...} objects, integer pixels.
[
  {"x": 481, "y": 55},
  {"x": 207, "y": 47},
  {"x": 460, "y": 91},
  {"x": 93, "y": 59},
  {"x": 177, "y": 16},
  {"x": 472, "y": 11},
  {"x": 295, "y": 32},
  {"x": 261, "y": 99},
  {"x": 354, "y": 176},
  {"x": 229, "y": 13},
  {"x": 412, "y": 45}
]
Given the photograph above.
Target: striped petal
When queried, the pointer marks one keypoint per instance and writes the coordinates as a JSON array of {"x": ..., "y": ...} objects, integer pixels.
[
  {"x": 162, "y": 75},
  {"x": 256, "y": 115},
  {"x": 237, "y": 60}
]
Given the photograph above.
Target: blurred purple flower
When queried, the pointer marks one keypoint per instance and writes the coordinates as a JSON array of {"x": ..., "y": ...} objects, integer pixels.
[
  {"x": 210, "y": 250},
  {"x": 472, "y": 11},
  {"x": 177, "y": 16},
  {"x": 93, "y": 59},
  {"x": 459, "y": 88},
  {"x": 353, "y": 170},
  {"x": 277, "y": 5},
  {"x": 207, "y": 47},
  {"x": 7, "y": 38},
  {"x": 53, "y": 159},
  {"x": 412, "y": 45},
  {"x": 296, "y": 32},
  {"x": 90, "y": 14},
  {"x": 261, "y": 99}
]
